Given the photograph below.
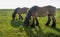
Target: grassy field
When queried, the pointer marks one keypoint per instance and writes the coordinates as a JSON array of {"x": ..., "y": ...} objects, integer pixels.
[{"x": 15, "y": 28}]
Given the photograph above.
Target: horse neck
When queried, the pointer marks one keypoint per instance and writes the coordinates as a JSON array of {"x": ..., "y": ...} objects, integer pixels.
[
  {"x": 15, "y": 12},
  {"x": 28, "y": 15}
]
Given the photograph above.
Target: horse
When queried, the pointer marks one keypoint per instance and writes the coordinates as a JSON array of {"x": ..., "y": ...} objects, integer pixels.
[
  {"x": 19, "y": 11},
  {"x": 36, "y": 11}
]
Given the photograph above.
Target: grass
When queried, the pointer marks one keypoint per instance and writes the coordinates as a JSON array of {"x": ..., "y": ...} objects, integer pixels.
[{"x": 15, "y": 28}]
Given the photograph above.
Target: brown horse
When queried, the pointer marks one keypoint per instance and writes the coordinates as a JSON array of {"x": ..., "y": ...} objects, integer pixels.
[
  {"x": 19, "y": 11},
  {"x": 36, "y": 11}
]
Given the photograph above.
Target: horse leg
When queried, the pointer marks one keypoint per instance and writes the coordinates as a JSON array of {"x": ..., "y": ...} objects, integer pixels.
[
  {"x": 37, "y": 23},
  {"x": 48, "y": 22},
  {"x": 20, "y": 17},
  {"x": 33, "y": 22},
  {"x": 54, "y": 22},
  {"x": 26, "y": 22}
]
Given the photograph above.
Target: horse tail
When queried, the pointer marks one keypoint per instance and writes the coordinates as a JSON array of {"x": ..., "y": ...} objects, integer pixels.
[{"x": 51, "y": 10}]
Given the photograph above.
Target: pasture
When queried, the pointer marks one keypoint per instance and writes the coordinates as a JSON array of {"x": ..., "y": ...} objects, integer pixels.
[{"x": 15, "y": 28}]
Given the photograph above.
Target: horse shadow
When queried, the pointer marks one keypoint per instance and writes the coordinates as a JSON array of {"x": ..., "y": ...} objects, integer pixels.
[
  {"x": 52, "y": 35},
  {"x": 57, "y": 29},
  {"x": 38, "y": 32},
  {"x": 16, "y": 23},
  {"x": 34, "y": 32}
]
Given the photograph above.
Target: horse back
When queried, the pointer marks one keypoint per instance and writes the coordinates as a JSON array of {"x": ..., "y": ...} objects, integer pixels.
[{"x": 47, "y": 10}]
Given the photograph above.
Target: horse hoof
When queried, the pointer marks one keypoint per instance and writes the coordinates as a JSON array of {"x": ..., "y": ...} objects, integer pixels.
[
  {"x": 32, "y": 26},
  {"x": 46, "y": 24},
  {"x": 37, "y": 24},
  {"x": 53, "y": 26},
  {"x": 25, "y": 25},
  {"x": 21, "y": 18}
]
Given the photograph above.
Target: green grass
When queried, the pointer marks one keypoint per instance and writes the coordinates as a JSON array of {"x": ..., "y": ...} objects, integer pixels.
[{"x": 10, "y": 28}]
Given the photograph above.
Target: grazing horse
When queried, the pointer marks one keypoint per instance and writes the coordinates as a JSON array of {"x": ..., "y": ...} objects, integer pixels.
[
  {"x": 36, "y": 11},
  {"x": 19, "y": 11}
]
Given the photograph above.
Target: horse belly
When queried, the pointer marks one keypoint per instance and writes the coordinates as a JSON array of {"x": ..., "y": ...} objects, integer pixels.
[{"x": 41, "y": 13}]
